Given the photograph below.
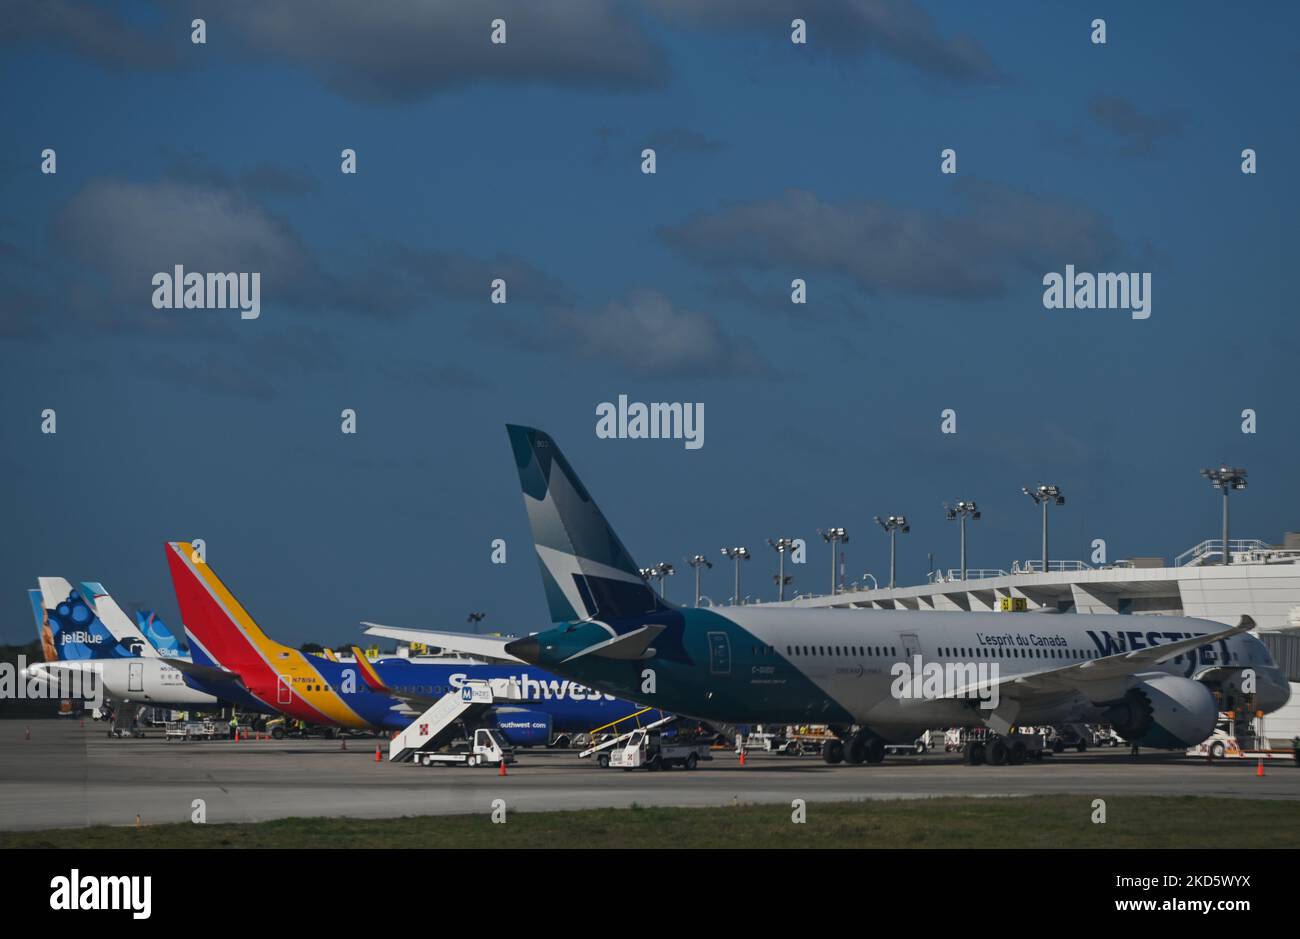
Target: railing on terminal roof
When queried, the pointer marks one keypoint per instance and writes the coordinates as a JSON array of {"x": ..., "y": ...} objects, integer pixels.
[
  {"x": 1036, "y": 567},
  {"x": 1212, "y": 548},
  {"x": 953, "y": 575}
]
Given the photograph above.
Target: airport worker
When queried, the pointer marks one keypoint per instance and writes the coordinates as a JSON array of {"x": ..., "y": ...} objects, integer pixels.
[{"x": 234, "y": 724}]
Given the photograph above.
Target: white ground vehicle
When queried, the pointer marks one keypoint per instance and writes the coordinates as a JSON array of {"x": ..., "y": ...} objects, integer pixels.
[
  {"x": 646, "y": 749},
  {"x": 193, "y": 730},
  {"x": 487, "y": 749},
  {"x": 1239, "y": 742}
]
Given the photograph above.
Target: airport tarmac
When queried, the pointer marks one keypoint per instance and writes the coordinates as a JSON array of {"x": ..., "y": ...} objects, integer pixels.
[{"x": 68, "y": 775}]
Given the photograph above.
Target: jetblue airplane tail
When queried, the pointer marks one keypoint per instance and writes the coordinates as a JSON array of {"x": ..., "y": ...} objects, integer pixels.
[
  {"x": 586, "y": 571},
  {"x": 115, "y": 619},
  {"x": 75, "y": 630},
  {"x": 224, "y": 630}
]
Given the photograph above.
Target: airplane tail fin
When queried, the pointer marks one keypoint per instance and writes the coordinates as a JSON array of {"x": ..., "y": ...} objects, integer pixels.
[
  {"x": 115, "y": 620},
  {"x": 76, "y": 632},
  {"x": 43, "y": 631},
  {"x": 586, "y": 571},
  {"x": 156, "y": 631},
  {"x": 368, "y": 673},
  {"x": 224, "y": 630}
]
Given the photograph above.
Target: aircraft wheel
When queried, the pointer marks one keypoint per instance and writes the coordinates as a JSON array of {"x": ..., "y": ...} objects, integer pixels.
[
  {"x": 875, "y": 751},
  {"x": 995, "y": 752},
  {"x": 833, "y": 752},
  {"x": 1058, "y": 745},
  {"x": 1016, "y": 753},
  {"x": 1081, "y": 746},
  {"x": 974, "y": 754},
  {"x": 855, "y": 749}
]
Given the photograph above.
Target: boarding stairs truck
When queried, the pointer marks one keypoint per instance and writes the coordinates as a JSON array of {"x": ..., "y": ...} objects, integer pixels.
[
  {"x": 440, "y": 724},
  {"x": 601, "y": 748},
  {"x": 488, "y": 748},
  {"x": 645, "y": 749}
]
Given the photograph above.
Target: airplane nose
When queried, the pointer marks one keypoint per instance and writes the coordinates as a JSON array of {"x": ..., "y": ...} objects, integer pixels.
[
  {"x": 1274, "y": 692},
  {"x": 527, "y": 649}
]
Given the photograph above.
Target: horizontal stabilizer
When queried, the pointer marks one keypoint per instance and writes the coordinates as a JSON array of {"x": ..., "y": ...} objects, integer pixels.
[
  {"x": 488, "y": 647},
  {"x": 633, "y": 645}
]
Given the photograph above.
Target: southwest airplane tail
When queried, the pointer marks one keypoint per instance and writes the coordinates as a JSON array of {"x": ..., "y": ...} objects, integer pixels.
[{"x": 225, "y": 635}]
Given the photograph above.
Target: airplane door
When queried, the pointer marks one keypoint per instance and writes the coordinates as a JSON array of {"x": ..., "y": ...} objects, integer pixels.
[
  {"x": 911, "y": 647},
  {"x": 284, "y": 690},
  {"x": 719, "y": 654},
  {"x": 135, "y": 677}
]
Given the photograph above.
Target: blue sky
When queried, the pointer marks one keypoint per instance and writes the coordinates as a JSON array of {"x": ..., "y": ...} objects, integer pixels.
[{"x": 775, "y": 161}]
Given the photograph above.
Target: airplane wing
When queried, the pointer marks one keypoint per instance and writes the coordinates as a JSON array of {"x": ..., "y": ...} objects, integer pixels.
[
  {"x": 487, "y": 647},
  {"x": 1078, "y": 675},
  {"x": 209, "y": 674}
]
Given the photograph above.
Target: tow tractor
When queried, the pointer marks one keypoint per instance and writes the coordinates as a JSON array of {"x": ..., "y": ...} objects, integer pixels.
[
  {"x": 488, "y": 748},
  {"x": 646, "y": 749}
]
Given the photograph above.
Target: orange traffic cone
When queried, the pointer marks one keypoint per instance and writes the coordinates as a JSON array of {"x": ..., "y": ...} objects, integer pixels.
[
  {"x": 236, "y": 736},
  {"x": 742, "y": 757},
  {"x": 502, "y": 770},
  {"x": 377, "y": 756},
  {"x": 1259, "y": 767}
]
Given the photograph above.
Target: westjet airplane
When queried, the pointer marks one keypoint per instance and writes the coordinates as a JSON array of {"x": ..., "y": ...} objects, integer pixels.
[
  {"x": 874, "y": 676},
  {"x": 384, "y": 695}
]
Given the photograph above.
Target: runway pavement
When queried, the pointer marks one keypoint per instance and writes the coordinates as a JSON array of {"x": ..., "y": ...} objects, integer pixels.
[{"x": 68, "y": 775}]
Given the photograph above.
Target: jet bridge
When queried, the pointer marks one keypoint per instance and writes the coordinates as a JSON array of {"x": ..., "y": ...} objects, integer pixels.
[{"x": 438, "y": 725}]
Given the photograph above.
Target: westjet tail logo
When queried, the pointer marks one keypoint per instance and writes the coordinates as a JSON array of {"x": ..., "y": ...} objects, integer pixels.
[{"x": 102, "y": 892}]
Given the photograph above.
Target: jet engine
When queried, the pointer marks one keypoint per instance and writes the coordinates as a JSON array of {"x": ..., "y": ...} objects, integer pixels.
[{"x": 1165, "y": 711}]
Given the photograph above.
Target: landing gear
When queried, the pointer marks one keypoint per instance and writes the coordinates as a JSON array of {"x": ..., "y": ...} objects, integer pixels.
[
  {"x": 975, "y": 753},
  {"x": 856, "y": 749},
  {"x": 875, "y": 750}
]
